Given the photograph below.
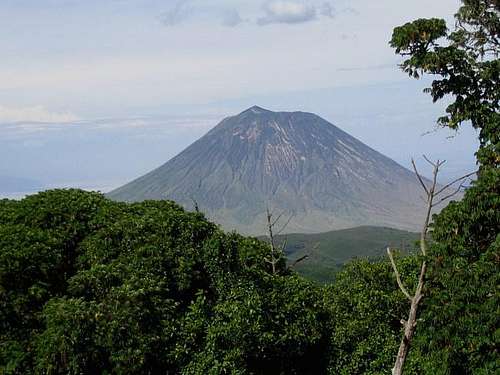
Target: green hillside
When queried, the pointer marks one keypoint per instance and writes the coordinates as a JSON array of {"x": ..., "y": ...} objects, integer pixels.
[{"x": 328, "y": 251}]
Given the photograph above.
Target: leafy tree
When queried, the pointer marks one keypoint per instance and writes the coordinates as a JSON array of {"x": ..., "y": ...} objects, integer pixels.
[
  {"x": 88, "y": 285},
  {"x": 39, "y": 238},
  {"x": 275, "y": 326},
  {"x": 365, "y": 308},
  {"x": 460, "y": 333}
]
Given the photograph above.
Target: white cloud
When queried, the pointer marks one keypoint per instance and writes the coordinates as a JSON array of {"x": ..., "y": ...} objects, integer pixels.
[
  {"x": 327, "y": 10},
  {"x": 34, "y": 114},
  {"x": 231, "y": 18},
  {"x": 178, "y": 13},
  {"x": 132, "y": 65},
  {"x": 287, "y": 11},
  {"x": 275, "y": 11},
  {"x": 166, "y": 124}
]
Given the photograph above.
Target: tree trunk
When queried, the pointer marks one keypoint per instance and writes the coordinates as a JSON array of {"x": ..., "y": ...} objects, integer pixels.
[{"x": 410, "y": 325}]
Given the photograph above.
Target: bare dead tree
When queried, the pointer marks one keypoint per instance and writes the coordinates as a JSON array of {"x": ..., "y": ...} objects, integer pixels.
[
  {"x": 195, "y": 205},
  {"x": 434, "y": 196},
  {"x": 277, "y": 251},
  {"x": 303, "y": 257}
]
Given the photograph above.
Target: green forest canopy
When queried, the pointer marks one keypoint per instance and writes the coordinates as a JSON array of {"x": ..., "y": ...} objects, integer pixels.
[{"x": 88, "y": 285}]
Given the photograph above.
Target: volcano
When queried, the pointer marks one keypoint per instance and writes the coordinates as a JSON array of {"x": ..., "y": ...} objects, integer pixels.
[{"x": 297, "y": 164}]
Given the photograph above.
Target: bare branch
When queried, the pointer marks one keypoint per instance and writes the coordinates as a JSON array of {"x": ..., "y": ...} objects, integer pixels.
[
  {"x": 456, "y": 191},
  {"x": 283, "y": 227},
  {"x": 411, "y": 322},
  {"x": 273, "y": 260},
  {"x": 276, "y": 251},
  {"x": 435, "y": 130},
  {"x": 430, "y": 199},
  {"x": 419, "y": 177},
  {"x": 268, "y": 260},
  {"x": 283, "y": 245},
  {"x": 304, "y": 257},
  {"x": 437, "y": 164},
  {"x": 455, "y": 181},
  {"x": 275, "y": 221},
  {"x": 297, "y": 261},
  {"x": 195, "y": 205},
  {"x": 428, "y": 161},
  {"x": 396, "y": 272}
]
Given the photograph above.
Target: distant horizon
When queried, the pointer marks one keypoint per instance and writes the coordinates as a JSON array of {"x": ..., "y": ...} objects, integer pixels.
[
  {"x": 105, "y": 186},
  {"x": 195, "y": 127},
  {"x": 98, "y": 93}
]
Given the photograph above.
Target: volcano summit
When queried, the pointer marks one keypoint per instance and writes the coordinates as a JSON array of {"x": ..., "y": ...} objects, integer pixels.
[{"x": 293, "y": 162}]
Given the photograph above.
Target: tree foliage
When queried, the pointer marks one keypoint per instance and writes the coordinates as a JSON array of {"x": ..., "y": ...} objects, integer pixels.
[
  {"x": 460, "y": 330},
  {"x": 92, "y": 286},
  {"x": 88, "y": 285},
  {"x": 366, "y": 307}
]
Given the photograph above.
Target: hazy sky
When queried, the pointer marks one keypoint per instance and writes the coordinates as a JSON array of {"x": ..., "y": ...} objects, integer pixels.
[{"x": 95, "y": 92}]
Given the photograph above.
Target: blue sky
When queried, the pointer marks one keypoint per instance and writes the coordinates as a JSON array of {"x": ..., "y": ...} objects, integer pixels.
[{"x": 94, "y": 93}]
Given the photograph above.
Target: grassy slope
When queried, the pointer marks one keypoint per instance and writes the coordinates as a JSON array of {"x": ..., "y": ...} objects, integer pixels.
[{"x": 328, "y": 251}]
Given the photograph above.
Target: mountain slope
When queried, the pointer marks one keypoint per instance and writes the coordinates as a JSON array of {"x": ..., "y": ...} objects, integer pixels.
[
  {"x": 293, "y": 162},
  {"x": 327, "y": 252}
]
